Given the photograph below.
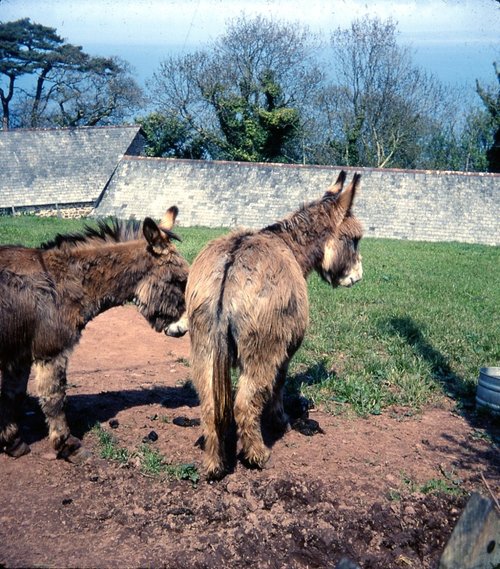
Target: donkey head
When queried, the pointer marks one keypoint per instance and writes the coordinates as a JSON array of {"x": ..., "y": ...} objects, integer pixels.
[
  {"x": 160, "y": 294},
  {"x": 341, "y": 262}
]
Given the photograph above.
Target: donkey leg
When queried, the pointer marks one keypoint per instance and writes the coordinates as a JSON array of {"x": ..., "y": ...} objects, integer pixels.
[
  {"x": 275, "y": 409},
  {"x": 251, "y": 398},
  {"x": 51, "y": 383},
  {"x": 14, "y": 384}
]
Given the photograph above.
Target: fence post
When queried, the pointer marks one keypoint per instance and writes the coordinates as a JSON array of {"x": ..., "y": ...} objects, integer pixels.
[{"x": 475, "y": 540}]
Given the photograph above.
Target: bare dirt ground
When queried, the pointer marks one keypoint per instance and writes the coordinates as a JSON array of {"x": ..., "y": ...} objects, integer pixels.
[{"x": 352, "y": 491}]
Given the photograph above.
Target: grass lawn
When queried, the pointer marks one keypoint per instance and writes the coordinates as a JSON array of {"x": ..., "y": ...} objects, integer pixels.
[{"x": 420, "y": 324}]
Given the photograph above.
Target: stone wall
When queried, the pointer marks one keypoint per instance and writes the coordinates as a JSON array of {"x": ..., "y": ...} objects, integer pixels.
[
  {"x": 67, "y": 211},
  {"x": 416, "y": 205}
]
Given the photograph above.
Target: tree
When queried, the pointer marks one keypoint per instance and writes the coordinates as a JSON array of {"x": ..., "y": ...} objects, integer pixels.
[
  {"x": 491, "y": 100},
  {"x": 475, "y": 141},
  {"x": 69, "y": 86},
  {"x": 167, "y": 136},
  {"x": 380, "y": 106},
  {"x": 27, "y": 48},
  {"x": 246, "y": 95},
  {"x": 103, "y": 92},
  {"x": 461, "y": 146}
]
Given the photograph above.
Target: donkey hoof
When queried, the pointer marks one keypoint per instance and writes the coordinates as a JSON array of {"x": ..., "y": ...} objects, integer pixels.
[
  {"x": 69, "y": 447},
  {"x": 215, "y": 475},
  {"x": 256, "y": 459},
  {"x": 18, "y": 448},
  {"x": 215, "y": 472}
]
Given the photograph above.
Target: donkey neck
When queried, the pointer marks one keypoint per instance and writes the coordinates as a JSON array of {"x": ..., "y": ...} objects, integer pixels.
[{"x": 306, "y": 246}]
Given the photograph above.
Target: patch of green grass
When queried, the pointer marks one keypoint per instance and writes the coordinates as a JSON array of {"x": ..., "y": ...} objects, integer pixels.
[
  {"x": 184, "y": 471},
  {"x": 108, "y": 446},
  {"x": 195, "y": 238},
  {"x": 150, "y": 461},
  {"x": 31, "y": 231},
  {"x": 418, "y": 326},
  {"x": 439, "y": 485},
  {"x": 154, "y": 463},
  {"x": 448, "y": 484}
]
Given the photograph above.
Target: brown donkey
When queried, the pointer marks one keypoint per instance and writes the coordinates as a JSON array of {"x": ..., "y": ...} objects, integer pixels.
[
  {"x": 49, "y": 294},
  {"x": 247, "y": 307}
]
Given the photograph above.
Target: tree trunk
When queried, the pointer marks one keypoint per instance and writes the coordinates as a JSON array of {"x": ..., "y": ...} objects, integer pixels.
[
  {"x": 38, "y": 95},
  {"x": 5, "y": 103}
]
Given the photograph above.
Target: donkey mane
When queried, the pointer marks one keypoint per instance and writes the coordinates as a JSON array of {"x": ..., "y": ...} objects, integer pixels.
[
  {"x": 111, "y": 231},
  {"x": 296, "y": 222}
]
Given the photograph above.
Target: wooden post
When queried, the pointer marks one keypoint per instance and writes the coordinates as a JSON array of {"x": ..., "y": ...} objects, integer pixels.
[{"x": 475, "y": 540}]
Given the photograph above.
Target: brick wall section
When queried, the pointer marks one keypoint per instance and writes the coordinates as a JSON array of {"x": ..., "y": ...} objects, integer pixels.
[
  {"x": 61, "y": 166},
  {"x": 416, "y": 205}
]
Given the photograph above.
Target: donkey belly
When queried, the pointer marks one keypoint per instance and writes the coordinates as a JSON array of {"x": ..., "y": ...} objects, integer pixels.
[{"x": 31, "y": 326}]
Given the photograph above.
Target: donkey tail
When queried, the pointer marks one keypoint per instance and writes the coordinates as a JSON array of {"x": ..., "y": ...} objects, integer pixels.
[{"x": 221, "y": 386}]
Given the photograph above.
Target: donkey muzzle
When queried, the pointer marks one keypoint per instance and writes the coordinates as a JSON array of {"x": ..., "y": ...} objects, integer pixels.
[{"x": 179, "y": 328}]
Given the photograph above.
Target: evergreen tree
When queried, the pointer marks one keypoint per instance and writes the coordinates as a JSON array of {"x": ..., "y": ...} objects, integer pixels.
[{"x": 70, "y": 87}]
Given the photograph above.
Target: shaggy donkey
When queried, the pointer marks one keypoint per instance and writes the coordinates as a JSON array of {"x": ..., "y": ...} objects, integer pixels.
[
  {"x": 247, "y": 307},
  {"x": 49, "y": 294}
]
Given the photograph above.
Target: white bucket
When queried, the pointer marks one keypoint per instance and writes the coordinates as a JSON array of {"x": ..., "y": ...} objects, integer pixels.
[{"x": 488, "y": 389}]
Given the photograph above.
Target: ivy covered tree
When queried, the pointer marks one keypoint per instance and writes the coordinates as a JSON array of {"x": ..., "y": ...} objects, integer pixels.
[
  {"x": 245, "y": 96},
  {"x": 67, "y": 86}
]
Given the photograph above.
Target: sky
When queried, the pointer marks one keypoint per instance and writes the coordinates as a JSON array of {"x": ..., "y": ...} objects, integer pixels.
[{"x": 456, "y": 40}]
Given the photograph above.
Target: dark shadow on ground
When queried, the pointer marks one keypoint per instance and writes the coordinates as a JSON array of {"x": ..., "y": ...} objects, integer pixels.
[
  {"x": 313, "y": 375},
  {"x": 83, "y": 411},
  {"x": 453, "y": 384}
]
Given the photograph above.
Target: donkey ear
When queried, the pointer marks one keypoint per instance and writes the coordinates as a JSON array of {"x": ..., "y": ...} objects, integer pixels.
[
  {"x": 346, "y": 197},
  {"x": 339, "y": 184},
  {"x": 154, "y": 236},
  {"x": 168, "y": 220},
  {"x": 157, "y": 235}
]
